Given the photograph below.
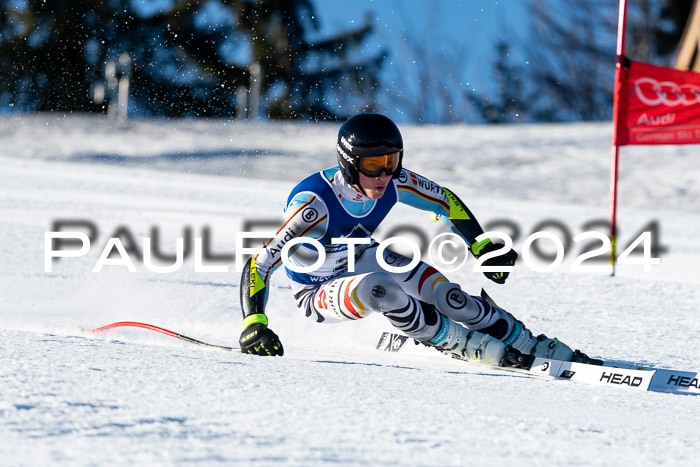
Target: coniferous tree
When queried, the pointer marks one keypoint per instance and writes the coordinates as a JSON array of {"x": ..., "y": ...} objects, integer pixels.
[
  {"x": 311, "y": 79},
  {"x": 187, "y": 57},
  {"x": 510, "y": 102}
]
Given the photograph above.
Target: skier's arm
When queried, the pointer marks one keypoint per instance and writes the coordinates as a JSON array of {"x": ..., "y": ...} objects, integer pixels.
[
  {"x": 464, "y": 222},
  {"x": 421, "y": 193},
  {"x": 253, "y": 291},
  {"x": 257, "y": 338}
]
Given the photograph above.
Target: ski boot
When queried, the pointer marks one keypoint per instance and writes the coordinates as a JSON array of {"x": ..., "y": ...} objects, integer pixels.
[
  {"x": 541, "y": 346},
  {"x": 580, "y": 357},
  {"x": 459, "y": 342},
  {"x": 513, "y": 358}
]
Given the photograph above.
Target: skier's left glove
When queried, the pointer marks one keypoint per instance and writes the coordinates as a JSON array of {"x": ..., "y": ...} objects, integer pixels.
[
  {"x": 258, "y": 339},
  {"x": 506, "y": 259}
]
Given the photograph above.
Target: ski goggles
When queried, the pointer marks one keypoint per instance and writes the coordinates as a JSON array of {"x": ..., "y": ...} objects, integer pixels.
[{"x": 372, "y": 166}]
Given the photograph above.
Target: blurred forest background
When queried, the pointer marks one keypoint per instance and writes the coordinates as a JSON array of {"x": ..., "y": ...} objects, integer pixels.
[{"x": 267, "y": 59}]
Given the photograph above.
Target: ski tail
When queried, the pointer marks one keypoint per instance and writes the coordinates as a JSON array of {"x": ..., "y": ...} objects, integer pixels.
[
  {"x": 487, "y": 297},
  {"x": 391, "y": 342}
]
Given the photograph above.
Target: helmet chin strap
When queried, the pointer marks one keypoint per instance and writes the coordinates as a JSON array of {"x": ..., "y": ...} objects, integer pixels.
[{"x": 358, "y": 187}]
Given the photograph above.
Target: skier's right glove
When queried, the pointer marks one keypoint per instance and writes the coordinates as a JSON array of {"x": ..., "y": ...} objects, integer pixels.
[{"x": 258, "y": 339}]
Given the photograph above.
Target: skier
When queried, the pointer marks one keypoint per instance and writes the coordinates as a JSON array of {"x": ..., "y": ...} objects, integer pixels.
[{"x": 350, "y": 201}]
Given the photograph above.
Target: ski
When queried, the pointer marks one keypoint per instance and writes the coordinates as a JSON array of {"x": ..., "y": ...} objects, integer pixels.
[
  {"x": 157, "y": 329},
  {"x": 391, "y": 342},
  {"x": 610, "y": 373},
  {"x": 620, "y": 374}
]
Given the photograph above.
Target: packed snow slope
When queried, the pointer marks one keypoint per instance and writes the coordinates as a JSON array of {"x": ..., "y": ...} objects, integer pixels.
[{"x": 135, "y": 396}]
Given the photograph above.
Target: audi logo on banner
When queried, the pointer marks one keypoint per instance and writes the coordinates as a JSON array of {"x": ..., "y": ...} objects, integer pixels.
[
  {"x": 658, "y": 105},
  {"x": 667, "y": 93}
]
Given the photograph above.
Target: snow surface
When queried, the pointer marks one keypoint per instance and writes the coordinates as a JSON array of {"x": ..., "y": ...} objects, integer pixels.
[{"x": 135, "y": 396}]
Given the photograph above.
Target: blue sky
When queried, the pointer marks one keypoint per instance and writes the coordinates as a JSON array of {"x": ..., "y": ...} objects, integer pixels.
[
  {"x": 447, "y": 28},
  {"x": 457, "y": 19}
]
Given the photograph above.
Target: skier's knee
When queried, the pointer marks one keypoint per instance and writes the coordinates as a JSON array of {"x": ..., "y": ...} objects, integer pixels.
[
  {"x": 451, "y": 301},
  {"x": 474, "y": 312},
  {"x": 378, "y": 291}
]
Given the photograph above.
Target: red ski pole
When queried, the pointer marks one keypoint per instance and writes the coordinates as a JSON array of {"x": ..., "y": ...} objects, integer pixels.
[{"x": 157, "y": 329}]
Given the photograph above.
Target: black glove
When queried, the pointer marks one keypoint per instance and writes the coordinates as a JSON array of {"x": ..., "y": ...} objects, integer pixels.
[
  {"x": 507, "y": 259},
  {"x": 258, "y": 339}
]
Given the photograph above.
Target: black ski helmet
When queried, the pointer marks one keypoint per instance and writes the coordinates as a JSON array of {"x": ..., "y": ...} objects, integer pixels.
[{"x": 366, "y": 135}]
